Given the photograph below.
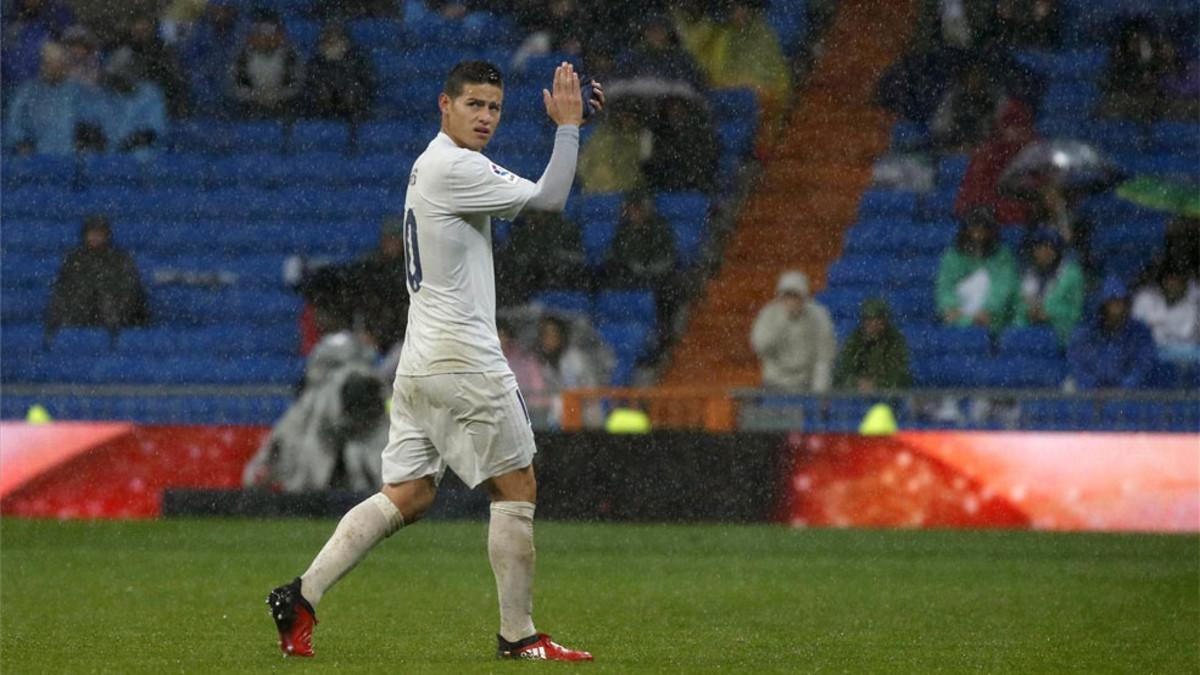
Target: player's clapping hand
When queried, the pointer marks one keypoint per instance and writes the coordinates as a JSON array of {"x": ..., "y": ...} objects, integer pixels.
[
  {"x": 597, "y": 103},
  {"x": 564, "y": 103}
]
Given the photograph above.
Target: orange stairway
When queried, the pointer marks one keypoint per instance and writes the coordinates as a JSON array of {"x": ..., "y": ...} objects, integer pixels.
[{"x": 806, "y": 198}]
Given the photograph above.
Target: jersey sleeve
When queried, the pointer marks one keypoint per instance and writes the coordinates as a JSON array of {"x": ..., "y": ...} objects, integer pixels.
[{"x": 478, "y": 185}]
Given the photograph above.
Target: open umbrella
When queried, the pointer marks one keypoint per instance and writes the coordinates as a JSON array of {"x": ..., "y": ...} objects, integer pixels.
[
  {"x": 1071, "y": 165},
  {"x": 1162, "y": 195}
]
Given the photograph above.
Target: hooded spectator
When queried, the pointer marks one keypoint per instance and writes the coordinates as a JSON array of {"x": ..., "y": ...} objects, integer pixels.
[
  {"x": 966, "y": 114},
  {"x": 988, "y": 161},
  {"x": 657, "y": 63},
  {"x": 1112, "y": 351},
  {"x": 544, "y": 251},
  {"x": 683, "y": 154},
  {"x": 83, "y": 56},
  {"x": 1140, "y": 62},
  {"x": 1052, "y": 285},
  {"x": 267, "y": 73},
  {"x": 340, "y": 80},
  {"x": 158, "y": 63},
  {"x": 643, "y": 251},
  {"x": 98, "y": 284},
  {"x": 977, "y": 277},
  {"x": 875, "y": 355},
  {"x": 793, "y": 338},
  {"x": 1024, "y": 24},
  {"x": 378, "y": 284}
]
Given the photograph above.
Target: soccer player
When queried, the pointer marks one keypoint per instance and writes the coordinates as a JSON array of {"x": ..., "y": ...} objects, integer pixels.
[{"x": 455, "y": 402}]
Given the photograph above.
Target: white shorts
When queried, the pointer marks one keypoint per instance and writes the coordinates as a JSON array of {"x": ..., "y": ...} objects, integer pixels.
[{"x": 475, "y": 423}]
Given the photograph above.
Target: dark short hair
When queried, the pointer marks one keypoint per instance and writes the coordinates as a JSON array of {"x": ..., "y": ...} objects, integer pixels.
[{"x": 472, "y": 72}]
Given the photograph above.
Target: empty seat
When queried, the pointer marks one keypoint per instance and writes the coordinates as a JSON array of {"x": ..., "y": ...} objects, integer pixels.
[
  {"x": 626, "y": 306},
  {"x": 938, "y": 339},
  {"x": 1029, "y": 341},
  {"x": 81, "y": 341},
  {"x": 569, "y": 302},
  {"x": 887, "y": 203},
  {"x": 1024, "y": 372}
]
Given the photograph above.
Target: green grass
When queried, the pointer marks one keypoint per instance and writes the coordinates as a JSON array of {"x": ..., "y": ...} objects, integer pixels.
[{"x": 187, "y": 596}]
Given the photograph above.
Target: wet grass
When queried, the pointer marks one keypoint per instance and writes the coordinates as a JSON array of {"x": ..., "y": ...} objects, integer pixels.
[{"x": 187, "y": 596}]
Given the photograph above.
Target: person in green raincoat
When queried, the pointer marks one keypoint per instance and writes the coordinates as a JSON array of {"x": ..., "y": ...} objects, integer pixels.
[
  {"x": 875, "y": 355},
  {"x": 977, "y": 277},
  {"x": 1052, "y": 286}
]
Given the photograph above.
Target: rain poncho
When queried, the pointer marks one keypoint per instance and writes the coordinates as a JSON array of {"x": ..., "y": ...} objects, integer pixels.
[{"x": 333, "y": 436}]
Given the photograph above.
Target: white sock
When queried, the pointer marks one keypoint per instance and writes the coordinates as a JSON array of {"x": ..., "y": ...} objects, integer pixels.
[
  {"x": 510, "y": 548},
  {"x": 363, "y": 526}
]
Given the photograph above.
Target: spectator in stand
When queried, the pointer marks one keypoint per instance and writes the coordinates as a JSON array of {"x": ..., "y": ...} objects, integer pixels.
[
  {"x": 340, "y": 79},
  {"x": 267, "y": 73},
  {"x": 980, "y": 186},
  {"x": 83, "y": 54},
  {"x": 557, "y": 26},
  {"x": 611, "y": 159},
  {"x": 658, "y": 64},
  {"x": 684, "y": 151},
  {"x": 1052, "y": 285},
  {"x": 1139, "y": 64},
  {"x": 977, "y": 277},
  {"x": 563, "y": 365},
  {"x": 544, "y": 251},
  {"x": 131, "y": 113},
  {"x": 1171, "y": 308},
  {"x": 158, "y": 63},
  {"x": 526, "y": 369},
  {"x": 643, "y": 255},
  {"x": 793, "y": 338},
  {"x": 1113, "y": 351},
  {"x": 1181, "y": 249},
  {"x": 743, "y": 51},
  {"x": 347, "y": 10},
  {"x": 1025, "y": 24},
  {"x": 955, "y": 24},
  {"x": 28, "y": 25},
  {"x": 967, "y": 112},
  {"x": 98, "y": 284},
  {"x": 210, "y": 46},
  {"x": 379, "y": 284},
  {"x": 44, "y": 112},
  {"x": 875, "y": 355}
]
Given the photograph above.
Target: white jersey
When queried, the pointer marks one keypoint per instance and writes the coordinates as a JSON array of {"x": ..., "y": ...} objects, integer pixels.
[{"x": 452, "y": 195}]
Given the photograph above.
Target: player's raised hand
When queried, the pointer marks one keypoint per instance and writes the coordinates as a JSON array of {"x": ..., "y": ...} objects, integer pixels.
[
  {"x": 597, "y": 102},
  {"x": 564, "y": 104}
]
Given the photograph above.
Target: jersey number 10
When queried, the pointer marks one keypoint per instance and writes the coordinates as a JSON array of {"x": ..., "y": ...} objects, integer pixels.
[{"x": 412, "y": 252}]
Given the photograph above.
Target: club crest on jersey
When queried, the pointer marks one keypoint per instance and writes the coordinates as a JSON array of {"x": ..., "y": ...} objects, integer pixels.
[{"x": 503, "y": 172}]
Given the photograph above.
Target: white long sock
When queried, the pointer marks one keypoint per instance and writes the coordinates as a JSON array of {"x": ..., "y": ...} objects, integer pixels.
[
  {"x": 364, "y": 526},
  {"x": 510, "y": 549}
]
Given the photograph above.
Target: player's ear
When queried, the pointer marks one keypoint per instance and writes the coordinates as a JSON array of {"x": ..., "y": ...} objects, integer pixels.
[{"x": 443, "y": 101}]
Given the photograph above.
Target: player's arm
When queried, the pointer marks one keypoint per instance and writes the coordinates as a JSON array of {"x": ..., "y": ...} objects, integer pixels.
[{"x": 564, "y": 105}]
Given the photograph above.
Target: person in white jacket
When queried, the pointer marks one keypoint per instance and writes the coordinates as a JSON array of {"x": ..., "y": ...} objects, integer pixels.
[{"x": 793, "y": 338}]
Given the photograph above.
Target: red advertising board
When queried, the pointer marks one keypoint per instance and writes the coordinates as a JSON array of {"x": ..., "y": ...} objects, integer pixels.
[{"x": 1051, "y": 481}]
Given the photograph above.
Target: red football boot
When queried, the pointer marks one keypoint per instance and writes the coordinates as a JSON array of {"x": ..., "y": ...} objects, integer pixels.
[
  {"x": 539, "y": 647},
  {"x": 294, "y": 618}
]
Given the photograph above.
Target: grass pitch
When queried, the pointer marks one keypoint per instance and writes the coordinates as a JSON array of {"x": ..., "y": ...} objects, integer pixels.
[{"x": 188, "y": 596}]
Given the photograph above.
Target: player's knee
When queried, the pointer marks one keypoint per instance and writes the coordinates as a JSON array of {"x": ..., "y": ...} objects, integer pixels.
[
  {"x": 413, "y": 498},
  {"x": 515, "y": 486}
]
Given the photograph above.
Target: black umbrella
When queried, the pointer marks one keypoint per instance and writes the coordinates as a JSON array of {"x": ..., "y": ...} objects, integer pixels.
[{"x": 1067, "y": 164}]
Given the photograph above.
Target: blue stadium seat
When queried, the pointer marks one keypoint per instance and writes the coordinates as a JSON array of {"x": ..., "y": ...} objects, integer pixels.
[
  {"x": 28, "y": 270},
  {"x": 179, "y": 170},
  {"x": 82, "y": 341},
  {"x": 951, "y": 371},
  {"x": 951, "y": 170},
  {"x": 1031, "y": 341},
  {"x": 843, "y": 303},
  {"x": 569, "y": 302},
  {"x": 1024, "y": 372},
  {"x": 1177, "y": 138},
  {"x": 878, "y": 204},
  {"x": 736, "y": 137},
  {"x": 39, "y": 238},
  {"x": 21, "y": 305},
  {"x": 941, "y": 339},
  {"x": 790, "y": 21},
  {"x": 912, "y": 272},
  {"x": 302, "y": 32},
  {"x": 597, "y": 216},
  {"x": 734, "y": 104},
  {"x": 626, "y": 306},
  {"x": 218, "y": 136},
  {"x": 320, "y": 136},
  {"x": 911, "y": 307},
  {"x": 395, "y": 137},
  {"x": 1083, "y": 64},
  {"x": 113, "y": 170},
  {"x": 863, "y": 270},
  {"x": 377, "y": 34},
  {"x": 687, "y": 212},
  {"x": 907, "y": 136},
  {"x": 280, "y": 339},
  {"x": 38, "y": 170},
  {"x": 200, "y": 306}
]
